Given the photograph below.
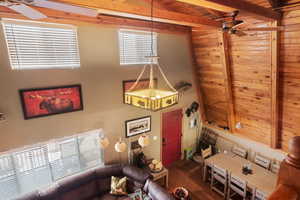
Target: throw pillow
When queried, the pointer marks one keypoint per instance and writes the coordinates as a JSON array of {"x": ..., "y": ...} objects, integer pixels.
[{"x": 118, "y": 186}]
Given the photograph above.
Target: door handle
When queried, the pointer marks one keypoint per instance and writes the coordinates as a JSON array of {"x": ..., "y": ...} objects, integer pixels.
[{"x": 164, "y": 142}]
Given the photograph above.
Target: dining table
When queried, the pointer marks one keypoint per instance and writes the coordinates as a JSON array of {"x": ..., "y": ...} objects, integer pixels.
[{"x": 260, "y": 178}]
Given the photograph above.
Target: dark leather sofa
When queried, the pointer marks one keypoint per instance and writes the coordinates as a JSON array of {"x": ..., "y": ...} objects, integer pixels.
[{"x": 95, "y": 185}]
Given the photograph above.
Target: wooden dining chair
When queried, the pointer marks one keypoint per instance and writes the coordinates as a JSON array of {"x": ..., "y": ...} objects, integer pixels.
[
  {"x": 258, "y": 195},
  {"x": 237, "y": 188},
  {"x": 206, "y": 153},
  {"x": 219, "y": 178},
  {"x": 239, "y": 151},
  {"x": 262, "y": 161}
]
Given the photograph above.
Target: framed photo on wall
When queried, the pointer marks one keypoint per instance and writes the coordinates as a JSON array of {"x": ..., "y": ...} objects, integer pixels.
[
  {"x": 41, "y": 102},
  {"x": 138, "y": 126},
  {"x": 143, "y": 84}
]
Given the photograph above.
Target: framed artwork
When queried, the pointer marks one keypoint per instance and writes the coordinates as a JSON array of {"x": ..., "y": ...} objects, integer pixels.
[
  {"x": 143, "y": 84},
  {"x": 138, "y": 126},
  {"x": 40, "y": 102}
]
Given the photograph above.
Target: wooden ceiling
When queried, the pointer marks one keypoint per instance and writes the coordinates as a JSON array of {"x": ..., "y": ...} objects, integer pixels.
[{"x": 193, "y": 13}]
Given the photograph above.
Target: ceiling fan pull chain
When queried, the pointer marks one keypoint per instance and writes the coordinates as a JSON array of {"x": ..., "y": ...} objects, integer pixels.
[
  {"x": 151, "y": 77},
  {"x": 138, "y": 79}
]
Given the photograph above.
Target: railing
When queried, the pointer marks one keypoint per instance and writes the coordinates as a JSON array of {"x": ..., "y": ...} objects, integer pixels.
[{"x": 284, "y": 192}]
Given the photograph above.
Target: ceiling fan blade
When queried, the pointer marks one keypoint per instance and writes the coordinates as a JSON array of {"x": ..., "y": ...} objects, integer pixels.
[
  {"x": 279, "y": 28},
  {"x": 65, "y": 7},
  {"x": 27, "y": 11}
]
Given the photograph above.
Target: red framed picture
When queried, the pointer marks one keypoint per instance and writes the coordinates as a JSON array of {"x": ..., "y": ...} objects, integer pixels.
[{"x": 40, "y": 102}]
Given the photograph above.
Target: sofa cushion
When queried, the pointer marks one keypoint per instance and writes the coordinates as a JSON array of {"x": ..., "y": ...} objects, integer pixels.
[
  {"x": 133, "y": 185},
  {"x": 50, "y": 193},
  {"x": 118, "y": 185},
  {"x": 137, "y": 174},
  {"x": 79, "y": 187},
  {"x": 103, "y": 176},
  {"x": 30, "y": 196}
]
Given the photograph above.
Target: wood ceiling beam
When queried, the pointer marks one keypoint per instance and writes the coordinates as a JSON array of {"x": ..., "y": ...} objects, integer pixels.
[
  {"x": 224, "y": 54},
  {"x": 241, "y": 5},
  {"x": 275, "y": 55},
  {"x": 108, "y": 7},
  {"x": 69, "y": 18},
  {"x": 199, "y": 93}
]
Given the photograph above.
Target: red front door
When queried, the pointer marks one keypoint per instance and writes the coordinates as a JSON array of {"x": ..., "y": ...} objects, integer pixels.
[{"x": 171, "y": 136}]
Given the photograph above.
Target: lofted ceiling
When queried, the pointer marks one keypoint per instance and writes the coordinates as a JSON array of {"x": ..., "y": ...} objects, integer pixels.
[{"x": 193, "y": 13}]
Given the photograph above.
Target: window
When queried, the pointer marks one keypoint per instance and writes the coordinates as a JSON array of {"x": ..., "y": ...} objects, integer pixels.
[
  {"x": 36, "y": 45},
  {"x": 135, "y": 46},
  {"x": 34, "y": 167}
]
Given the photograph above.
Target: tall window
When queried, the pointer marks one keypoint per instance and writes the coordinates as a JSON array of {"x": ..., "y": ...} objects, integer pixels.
[
  {"x": 36, "y": 45},
  {"x": 135, "y": 46},
  {"x": 35, "y": 167}
]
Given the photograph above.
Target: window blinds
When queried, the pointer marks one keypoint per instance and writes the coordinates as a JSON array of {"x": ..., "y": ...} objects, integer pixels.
[
  {"x": 34, "y": 167},
  {"x": 36, "y": 45},
  {"x": 134, "y": 46}
]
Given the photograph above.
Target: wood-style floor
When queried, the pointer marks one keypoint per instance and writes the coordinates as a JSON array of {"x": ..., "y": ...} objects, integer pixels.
[{"x": 189, "y": 175}]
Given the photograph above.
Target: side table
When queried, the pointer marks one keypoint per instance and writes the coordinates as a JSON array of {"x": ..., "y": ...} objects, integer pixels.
[{"x": 163, "y": 174}]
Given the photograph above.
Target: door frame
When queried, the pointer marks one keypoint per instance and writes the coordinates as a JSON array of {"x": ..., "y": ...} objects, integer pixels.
[{"x": 161, "y": 130}]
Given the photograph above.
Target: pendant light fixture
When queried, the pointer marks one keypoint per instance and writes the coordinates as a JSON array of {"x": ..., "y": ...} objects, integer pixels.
[{"x": 152, "y": 98}]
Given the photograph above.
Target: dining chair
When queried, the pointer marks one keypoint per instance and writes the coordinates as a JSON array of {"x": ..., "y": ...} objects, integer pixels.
[
  {"x": 219, "y": 178},
  {"x": 258, "y": 195},
  {"x": 275, "y": 166},
  {"x": 206, "y": 153},
  {"x": 262, "y": 161},
  {"x": 237, "y": 188},
  {"x": 239, "y": 151}
]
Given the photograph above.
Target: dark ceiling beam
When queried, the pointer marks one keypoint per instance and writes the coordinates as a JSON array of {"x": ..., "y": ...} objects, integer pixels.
[{"x": 241, "y": 5}]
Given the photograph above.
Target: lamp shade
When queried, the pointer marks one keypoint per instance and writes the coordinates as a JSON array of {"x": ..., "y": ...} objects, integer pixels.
[
  {"x": 120, "y": 146},
  {"x": 144, "y": 140},
  {"x": 104, "y": 142}
]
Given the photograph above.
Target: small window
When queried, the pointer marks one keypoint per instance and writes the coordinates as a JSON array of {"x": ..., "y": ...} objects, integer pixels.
[
  {"x": 135, "y": 46},
  {"x": 37, "y": 45}
]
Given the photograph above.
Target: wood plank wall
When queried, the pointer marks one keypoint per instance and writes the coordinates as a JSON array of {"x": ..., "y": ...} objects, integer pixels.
[
  {"x": 250, "y": 69},
  {"x": 250, "y": 57},
  {"x": 289, "y": 84},
  {"x": 210, "y": 75}
]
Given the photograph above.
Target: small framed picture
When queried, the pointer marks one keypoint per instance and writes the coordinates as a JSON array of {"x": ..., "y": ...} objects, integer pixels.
[
  {"x": 138, "y": 126},
  {"x": 40, "y": 102}
]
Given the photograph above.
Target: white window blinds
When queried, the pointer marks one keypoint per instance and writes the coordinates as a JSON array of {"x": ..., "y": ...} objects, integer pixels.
[
  {"x": 31, "y": 168},
  {"x": 36, "y": 45},
  {"x": 134, "y": 46}
]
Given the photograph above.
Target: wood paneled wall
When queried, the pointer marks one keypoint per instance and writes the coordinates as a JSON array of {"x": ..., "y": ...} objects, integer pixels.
[
  {"x": 251, "y": 79},
  {"x": 250, "y": 58},
  {"x": 210, "y": 75},
  {"x": 289, "y": 87}
]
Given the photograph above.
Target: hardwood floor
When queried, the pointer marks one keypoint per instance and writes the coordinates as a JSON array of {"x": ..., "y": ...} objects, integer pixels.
[{"x": 189, "y": 175}]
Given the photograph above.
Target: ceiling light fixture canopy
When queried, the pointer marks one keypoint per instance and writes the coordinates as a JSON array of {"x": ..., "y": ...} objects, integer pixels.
[{"x": 152, "y": 99}]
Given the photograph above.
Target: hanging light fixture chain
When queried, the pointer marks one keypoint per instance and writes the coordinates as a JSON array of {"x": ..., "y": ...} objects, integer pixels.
[
  {"x": 152, "y": 29},
  {"x": 165, "y": 78},
  {"x": 138, "y": 79}
]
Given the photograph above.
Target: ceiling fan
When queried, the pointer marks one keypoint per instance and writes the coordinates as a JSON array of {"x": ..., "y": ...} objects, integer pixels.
[
  {"x": 231, "y": 26},
  {"x": 23, "y": 7}
]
